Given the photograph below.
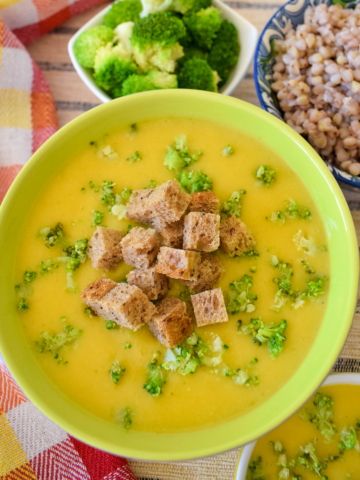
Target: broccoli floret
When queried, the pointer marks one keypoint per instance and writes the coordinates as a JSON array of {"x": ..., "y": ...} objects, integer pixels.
[
  {"x": 265, "y": 175},
  {"x": 122, "y": 11},
  {"x": 152, "y": 81},
  {"x": 111, "y": 69},
  {"x": 178, "y": 155},
  {"x": 240, "y": 296},
  {"x": 232, "y": 206},
  {"x": 195, "y": 181},
  {"x": 155, "y": 379},
  {"x": 123, "y": 33},
  {"x": 154, "y": 6},
  {"x": 88, "y": 43},
  {"x": 184, "y": 6},
  {"x": 224, "y": 53},
  {"x": 190, "y": 53},
  {"x": 272, "y": 334},
  {"x": 204, "y": 25},
  {"x": 155, "y": 41},
  {"x": 197, "y": 74}
]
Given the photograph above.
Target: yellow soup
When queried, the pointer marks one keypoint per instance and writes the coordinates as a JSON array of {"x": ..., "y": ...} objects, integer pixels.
[
  {"x": 321, "y": 441},
  {"x": 292, "y": 257}
]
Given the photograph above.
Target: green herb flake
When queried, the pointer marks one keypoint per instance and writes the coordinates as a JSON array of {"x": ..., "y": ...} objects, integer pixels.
[
  {"x": 155, "y": 378},
  {"x": 240, "y": 295},
  {"x": 126, "y": 417},
  {"x": 116, "y": 372},
  {"x": 54, "y": 343},
  {"x": 272, "y": 335},
  {"x": 52, "y": 236},
  {"x": 134, "y": 157},
  {"x": 127, "y": 346},
  {"x": 178, "y": 155},
  {"x": 111, "y": 325},
  {"x": 97, "y": 217},
  {"x": 233, "y": 206},
  {"x": 265, "y": 175},
  {"x": 228, "y": 150},
  {"x": 195, "y": 181}
]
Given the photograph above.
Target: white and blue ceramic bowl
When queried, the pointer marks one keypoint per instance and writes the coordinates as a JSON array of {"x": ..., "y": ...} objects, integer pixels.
[{"x": 290, "y": 14}]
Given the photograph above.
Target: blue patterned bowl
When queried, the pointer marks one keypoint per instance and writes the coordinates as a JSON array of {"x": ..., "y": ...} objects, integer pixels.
[{"x": 291, "y": 13}]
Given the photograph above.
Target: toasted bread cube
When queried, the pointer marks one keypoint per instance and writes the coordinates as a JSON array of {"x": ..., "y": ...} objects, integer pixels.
[
  {"x": 140, "y": 247},
  {"x": 206, "y": 202},
  {"x": 235, "y": 238},
  {"x": 153, "y": 284},
  {"x": 201, "y": 231},
  {"x": 206, "y": 275},
  {"x": 167, "y": 201},
  {"x": 125, "y": 304},
  {"x": 105, "y": 249},
  {"x": 171, "y": 325},
  {"x": 177, "y": 263},
  {"x": 209, "y": 307},
  {"x": 171, "y": 233}
]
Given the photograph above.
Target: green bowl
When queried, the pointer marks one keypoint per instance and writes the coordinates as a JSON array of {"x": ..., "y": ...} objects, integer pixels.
[{"x": 300, "y": 157}]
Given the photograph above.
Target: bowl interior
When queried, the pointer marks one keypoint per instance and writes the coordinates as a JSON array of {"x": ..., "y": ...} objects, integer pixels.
[
  {"x": 335, "y": 379},
  {"x": 247, "y": 37},
  {"x": 300, "y": 157},
  {"x": 289, "y": 15}
]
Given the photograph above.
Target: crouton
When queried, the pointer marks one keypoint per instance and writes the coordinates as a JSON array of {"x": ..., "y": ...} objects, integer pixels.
[
  {"x": 235, "y": 238},
  {"x": 171, "y": 233},
  {"x": 177, "y": 263},
  {"x": 201, "y": 231},
  {"x": 105, "y": 249},
  {"x": 126, "y": 304},
  {"x": 153, "y": 284},
  {"x": 140, "y": 247},
  {"x": 167, "y": 202},
  {"x": 209, "y": 307},
  {"x": 206, "y": 202},
  {"x": 206, "y": 275},
  {"x": 171, "y": 325}
]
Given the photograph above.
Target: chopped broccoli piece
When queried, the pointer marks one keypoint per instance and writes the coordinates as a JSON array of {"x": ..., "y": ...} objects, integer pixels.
[
  {"x": 111, "y": 325},
  {"x": 322, "y": 415},
  {"x": 107, "y": 193},
  {"x": 255, "y": 470},
  {"x": 124, "y": 195},
  {"x": 184, "y": 6},
  {"x": 272, "y": 334},
  {"x": 308, "y": 268},
  {"x": 134, "y": 157},
  {"x": 152, "y": 81},
  {"x": 52, "y": 235},
  {"x": 314, "y": 288},
  {"x": 122, "y": 11},
  {"x": 232, "y": 206},
  {"x": 97, "y": 217},
  {"x": 111, "y": 69},
  {"x": 155, "y": 41},
  {"x": 88, "y": 43},
  {"x": 284, "y": 284},
  {"x": 126, "y": 417},
  {"x": 225, "y": 50},
  {"x": 204, "y": 25},
  {"x": 116, "y": 372},
  {"x": 197, "y": 74},
  {"x": 88, "y": 312},
  {"x": 178, "y": 156},
  {"x": 265, "y": 175},
  {"x": 240, "y": 296},
  {"x": 108, "y": 152},
  {"x": 155, "y": 379},
  {"x": 47, "y": 266},
  {"x": 76, "y": 254},
  {"x": 195, "y": 181},
  {"x": 127, "y": 346},
  {"x": 309, "y": 460},
  {"x": 348, "y": 440},
  {"x": 305, "y": 244},
  {"x": 228, "y": 150},
  {"x": 244, "y": 375},
  {"x": 291, "y": 211},
  {"x": 29, "y": 276},
  {"x": 186, "y": 358},
  {"x": 22, "y": 305},
  {"x": 54, "y": 343}
]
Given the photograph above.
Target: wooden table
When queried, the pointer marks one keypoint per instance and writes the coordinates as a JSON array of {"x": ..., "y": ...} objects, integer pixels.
[{"x": 72, "y": 98}]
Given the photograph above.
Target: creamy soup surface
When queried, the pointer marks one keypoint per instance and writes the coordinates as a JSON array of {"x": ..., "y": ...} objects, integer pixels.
[
  {"x": 334, "y": 440},
  {"x": 206, "y": 396}
]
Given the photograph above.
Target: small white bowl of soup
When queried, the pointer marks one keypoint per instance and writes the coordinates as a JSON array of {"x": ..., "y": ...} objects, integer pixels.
[
  {"x": 122, "y": 390},
  {"x": 322, "y": 440}
]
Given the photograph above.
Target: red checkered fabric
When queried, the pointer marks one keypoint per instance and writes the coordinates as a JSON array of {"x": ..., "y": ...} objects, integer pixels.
[{"x": 33, "y": 448}]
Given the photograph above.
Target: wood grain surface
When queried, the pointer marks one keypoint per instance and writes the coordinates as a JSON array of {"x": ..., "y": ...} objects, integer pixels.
[{"x": 72, "y": 98}]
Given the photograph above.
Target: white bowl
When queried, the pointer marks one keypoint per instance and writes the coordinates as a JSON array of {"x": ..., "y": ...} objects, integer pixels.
[
  {"x": 334, "y": 379},
  {"x": 247, "y": 37}
]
